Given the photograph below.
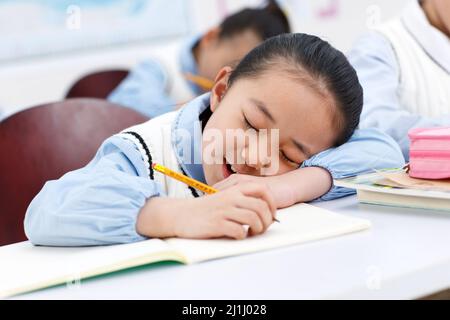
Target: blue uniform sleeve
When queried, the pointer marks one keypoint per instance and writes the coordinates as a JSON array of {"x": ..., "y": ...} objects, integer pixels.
[
  {"x": 368, "y": 149},
  {"x": 95, "y": 205},
  {"x": 144, "y": 90},
  {"x": 377, "y": 68}
]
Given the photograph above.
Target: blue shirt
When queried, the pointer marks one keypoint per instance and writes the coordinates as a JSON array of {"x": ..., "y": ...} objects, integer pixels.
[
  {"x": 145, "y": 88},
  {"x": 376, "y": 64},
  {"x": 99, "y": 204}
]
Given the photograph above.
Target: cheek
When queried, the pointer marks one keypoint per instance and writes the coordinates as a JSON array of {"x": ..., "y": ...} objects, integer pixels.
[
  {"x": 235, "y": 141},
  {"x": 207, "y": 67},
  {"x": 209, "y": 163},
  {"x": 212, "y": 148},
  {"x": 223, "y": 59},
  {"x": 446, "y": 18},
  {"x": 443, "y": 9},
  {"x": 211, "y": 66},
  {"x": 209, "y": 176}
]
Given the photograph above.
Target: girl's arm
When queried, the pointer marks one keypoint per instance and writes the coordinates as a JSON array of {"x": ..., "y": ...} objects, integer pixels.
[
  {"x": 223, "y": 214},
  {"x": 366, "y": 150},
  {"x": 95, "y": 205},
  {"x": 112, "y": 200},
  {"x": 301, "y": 185}
]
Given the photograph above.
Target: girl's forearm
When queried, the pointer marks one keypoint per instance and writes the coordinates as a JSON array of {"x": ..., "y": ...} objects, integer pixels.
[
  {"x": 157, "y": 218},
  {"x": 307, "y": 184}
]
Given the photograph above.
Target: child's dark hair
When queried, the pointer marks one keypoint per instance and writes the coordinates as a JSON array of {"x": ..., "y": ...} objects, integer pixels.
[
  {"x": 266, "y": 22},
  {"x": 317, "y": 64}
]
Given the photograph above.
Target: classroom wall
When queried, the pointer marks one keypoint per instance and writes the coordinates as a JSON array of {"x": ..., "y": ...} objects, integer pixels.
[
  {"x": 49, "y": 26},
  {"x": 340, "y": 21},
  {"x": 32, "y": 79}
]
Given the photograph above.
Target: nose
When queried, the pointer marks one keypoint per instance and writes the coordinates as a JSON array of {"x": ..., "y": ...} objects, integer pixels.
[{"x": 255, "y": 161}]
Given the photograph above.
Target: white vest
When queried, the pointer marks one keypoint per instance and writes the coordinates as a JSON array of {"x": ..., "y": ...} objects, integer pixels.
[
  {"x": 154, "y": 141},
  {"x": 424, "y": 85}
]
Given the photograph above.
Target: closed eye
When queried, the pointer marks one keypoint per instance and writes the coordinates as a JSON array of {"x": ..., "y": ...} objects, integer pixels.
[
  {"x": 248, "y": 124},
  {"x": 283, "y": 155}
]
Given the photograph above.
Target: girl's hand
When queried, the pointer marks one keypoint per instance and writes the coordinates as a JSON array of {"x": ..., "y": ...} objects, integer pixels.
[
  {"x": 223, "y": 214},
  {"x": 300, "y": 185},
  {"x": 282, "y": 192}
]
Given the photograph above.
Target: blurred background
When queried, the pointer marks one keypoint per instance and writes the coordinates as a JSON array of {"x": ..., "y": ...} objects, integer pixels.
[{"x": 47, "y": 45}]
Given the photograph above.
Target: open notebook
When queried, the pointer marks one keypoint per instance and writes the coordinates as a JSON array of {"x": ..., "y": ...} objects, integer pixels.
[{"x": 24, "y": 267}]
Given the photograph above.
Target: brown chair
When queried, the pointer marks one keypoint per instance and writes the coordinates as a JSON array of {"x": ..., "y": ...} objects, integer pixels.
[
  {"x": 97, "y": 85},
  {"x": 43, "y": 143}
]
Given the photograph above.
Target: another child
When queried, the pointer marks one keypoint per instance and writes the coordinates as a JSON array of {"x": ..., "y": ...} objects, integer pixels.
[
  {"x": 404, "y": 68},
  {"x": 157, "y": 85},
  {"x": 295, "y": 85}
]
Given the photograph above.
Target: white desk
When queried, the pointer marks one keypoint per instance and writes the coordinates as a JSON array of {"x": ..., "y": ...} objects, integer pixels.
[{"x": 406, "y": 254}]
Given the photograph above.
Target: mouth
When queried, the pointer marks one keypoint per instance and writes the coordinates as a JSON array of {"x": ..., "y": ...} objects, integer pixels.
[{"x": 227, "y": 169}]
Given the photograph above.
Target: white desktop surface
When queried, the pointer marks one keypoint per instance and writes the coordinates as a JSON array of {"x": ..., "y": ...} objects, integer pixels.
[{"x": 405, "y": 255}]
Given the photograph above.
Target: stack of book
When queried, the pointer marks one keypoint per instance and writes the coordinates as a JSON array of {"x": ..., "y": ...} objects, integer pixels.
[{"x": 397, "y": 188}]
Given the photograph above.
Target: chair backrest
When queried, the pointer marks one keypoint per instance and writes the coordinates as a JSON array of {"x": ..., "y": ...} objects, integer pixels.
[
  {"x": 45, "y": 142},
  {"x": 97, "y": 85}
]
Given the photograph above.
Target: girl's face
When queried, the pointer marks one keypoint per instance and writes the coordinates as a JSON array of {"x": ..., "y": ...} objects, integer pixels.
[
  {"x": 443, "y": 10},
  {"x": 438, "y": 13},
  {"x": 234, "y": 139}
]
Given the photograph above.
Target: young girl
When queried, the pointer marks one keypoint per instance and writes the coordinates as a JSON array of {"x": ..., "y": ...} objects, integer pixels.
[
  {"x": 295, "y": 85},
  {"x": 404, "y": 67},
  {"x": 156, "y": 85}
]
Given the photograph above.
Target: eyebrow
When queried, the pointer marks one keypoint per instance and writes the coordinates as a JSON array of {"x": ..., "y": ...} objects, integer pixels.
[
  {"x": 302, "y": 148},
  {"x": 262, "y": 107}
]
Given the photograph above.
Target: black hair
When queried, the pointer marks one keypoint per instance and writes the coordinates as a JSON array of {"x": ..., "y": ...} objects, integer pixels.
[
  {"x": 317, "y": 64},
  {"x": 267, "y": 22}
]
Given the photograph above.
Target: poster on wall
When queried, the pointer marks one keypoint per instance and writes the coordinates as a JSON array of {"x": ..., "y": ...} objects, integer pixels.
[{"x": 39, "y": 27}]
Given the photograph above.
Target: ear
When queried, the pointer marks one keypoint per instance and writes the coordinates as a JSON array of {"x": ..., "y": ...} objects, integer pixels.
[
  {"x": 220, "y": 87},
  {"x": 211, "y": 36}
]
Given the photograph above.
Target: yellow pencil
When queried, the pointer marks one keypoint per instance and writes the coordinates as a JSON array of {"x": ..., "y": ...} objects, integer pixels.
[
  {"x": 181, "y": 177},
  {"x": 189, "y": 181},
  {"x": 202, "y": 82}
]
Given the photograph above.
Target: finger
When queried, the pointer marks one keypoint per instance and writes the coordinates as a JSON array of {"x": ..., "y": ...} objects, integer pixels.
[
  {"x": 260, "y": 191},
  {"x": 233, "y": 230},
  {"x": 258, "y": 206},
  {"x": 247, "y": 217}
]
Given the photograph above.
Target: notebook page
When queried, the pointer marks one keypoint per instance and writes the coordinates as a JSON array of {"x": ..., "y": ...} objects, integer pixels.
[
  {"x": 24, "y": 267},
  {"x": 298, "y": 224}
]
